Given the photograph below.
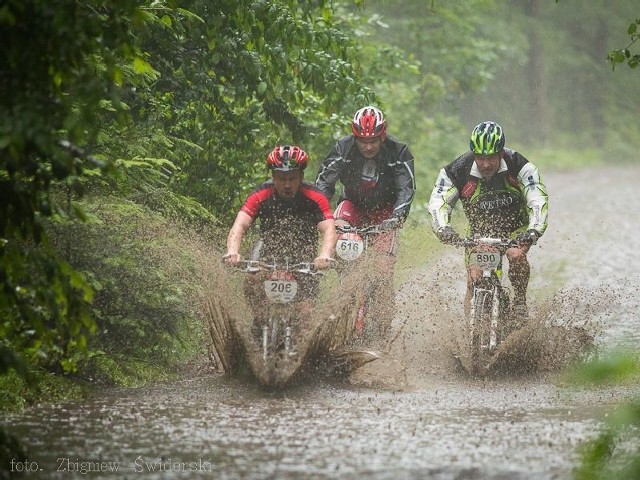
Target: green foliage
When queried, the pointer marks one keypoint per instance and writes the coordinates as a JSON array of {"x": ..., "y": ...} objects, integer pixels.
[
  {"x": 143, "y": 268},
  {"x": 615, "y": 453},
  {"x": 624, "y": 55},
  {"x": 562, "y": 158},
  {"x": 43, "y": 310},
  {"x": 164, "y": 115},
  {"x": 234, "y": 79},
  {"x": 418, "y": 246},
  {"x": 433, "y": 60},
  {"x": 549, "y": 94},
  {"x": 57, "y": 70},
  {"x": 615, "y": 367},
  {"x": 159, "y": 104},
  {"x": 16, "y": 393}
]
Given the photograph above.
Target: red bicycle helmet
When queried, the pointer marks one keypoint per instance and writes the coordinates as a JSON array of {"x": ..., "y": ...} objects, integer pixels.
[
  {"x": 286, "y": 158},
  {"x": 368, "y": 122}
]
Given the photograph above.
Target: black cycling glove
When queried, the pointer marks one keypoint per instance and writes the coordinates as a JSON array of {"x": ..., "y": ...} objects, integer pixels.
[
  {"x": 530, "y": 237},
  {"x": 390, "y": 223},
  {"x": 448, "y": 235}
]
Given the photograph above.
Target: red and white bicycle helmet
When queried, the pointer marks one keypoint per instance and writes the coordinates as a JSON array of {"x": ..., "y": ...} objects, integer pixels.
[
  {"x": 369, "y": 122},
  {"x": 286, "y": 158}
]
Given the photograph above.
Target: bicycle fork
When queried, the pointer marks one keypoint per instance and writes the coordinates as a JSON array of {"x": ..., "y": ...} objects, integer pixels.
[
  {"x": 482, "y": 321},
  {"x": 270, "y": 337},
  {"x": 265, "y": 341}
]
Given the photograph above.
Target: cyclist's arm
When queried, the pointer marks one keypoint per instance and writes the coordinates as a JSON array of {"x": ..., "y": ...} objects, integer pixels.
[
  {"x": 443, "y": 198},
  {"x": 329, "y": 237},
  {"x": 329, "y": 172},
  {"x": 405, "y": 180},
  {"x": 535, "y": 193},
  {"x": 240, "y": 226}
]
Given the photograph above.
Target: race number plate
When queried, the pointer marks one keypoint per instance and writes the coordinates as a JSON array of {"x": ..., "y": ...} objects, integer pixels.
[
  {"x": 280, "y": 291},
  {"x": 349, "y": 247},
  {"x": 485, "y": 260}
]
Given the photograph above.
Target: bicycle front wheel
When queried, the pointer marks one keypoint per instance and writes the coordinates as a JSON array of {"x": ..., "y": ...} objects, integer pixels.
[{"x": 480, "y": 322}]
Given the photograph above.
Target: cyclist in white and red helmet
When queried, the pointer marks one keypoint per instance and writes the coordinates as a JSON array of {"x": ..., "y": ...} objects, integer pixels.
[
  {"x": 377, "y": 175},
  {"x": 378, "y": 186}
]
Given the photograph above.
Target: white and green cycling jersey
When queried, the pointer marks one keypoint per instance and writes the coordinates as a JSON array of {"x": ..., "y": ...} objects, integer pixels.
[{"x": 513, "y": 199}]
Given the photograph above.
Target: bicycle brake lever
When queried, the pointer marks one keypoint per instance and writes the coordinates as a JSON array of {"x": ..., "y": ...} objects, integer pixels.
[{"x": 253, "y": 266}]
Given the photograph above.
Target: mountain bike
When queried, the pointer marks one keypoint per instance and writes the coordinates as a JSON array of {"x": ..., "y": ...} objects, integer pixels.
[
  {"x": 278, "y": 320},
  {"x": 277, "y": 340},
  {"x": 489, "y": 320},
  {"x": 375, "y": 298}
]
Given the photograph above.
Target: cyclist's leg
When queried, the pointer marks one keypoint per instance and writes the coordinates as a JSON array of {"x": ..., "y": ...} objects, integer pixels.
[
  {"x": 347, "y": 213},
  {"x": 385, "y": 246},
  {"x": 519, "y": 273},
  {"x": 473, "y": 274}
]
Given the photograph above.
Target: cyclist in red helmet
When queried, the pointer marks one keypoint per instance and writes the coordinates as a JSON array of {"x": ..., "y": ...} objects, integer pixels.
[
  {"x": 378, "y": 182},
  {"x": 291, "y": 212}
]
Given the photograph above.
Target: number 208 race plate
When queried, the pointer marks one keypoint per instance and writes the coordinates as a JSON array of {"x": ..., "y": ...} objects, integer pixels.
[{"x": 281, "y": 288}]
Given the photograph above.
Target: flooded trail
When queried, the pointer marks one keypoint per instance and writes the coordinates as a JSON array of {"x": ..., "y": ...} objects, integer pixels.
[{"x": 415, "y": 417}]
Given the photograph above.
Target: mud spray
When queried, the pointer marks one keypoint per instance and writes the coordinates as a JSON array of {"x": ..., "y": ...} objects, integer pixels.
[{"x": 426, "y": 334}]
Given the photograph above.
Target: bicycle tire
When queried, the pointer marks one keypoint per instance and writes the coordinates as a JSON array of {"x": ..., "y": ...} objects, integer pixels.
[
  {"x": 505, "y": 326},
  {"x": 480, "y": 324}
]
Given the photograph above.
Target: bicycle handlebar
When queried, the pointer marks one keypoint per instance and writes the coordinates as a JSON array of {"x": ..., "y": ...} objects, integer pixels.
[
  {"x": 366, "y": 230},
  {"x": 255, "y": 266},
  {"x": 494, "y": 242}
]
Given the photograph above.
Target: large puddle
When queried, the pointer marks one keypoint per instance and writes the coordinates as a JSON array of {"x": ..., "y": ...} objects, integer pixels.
[{"x": 482, "y": 429}]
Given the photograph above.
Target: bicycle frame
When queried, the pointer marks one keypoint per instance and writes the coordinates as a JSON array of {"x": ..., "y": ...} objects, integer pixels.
[
  {"x": 352, "y": 243},
  {"x": 488, "y": 318}
]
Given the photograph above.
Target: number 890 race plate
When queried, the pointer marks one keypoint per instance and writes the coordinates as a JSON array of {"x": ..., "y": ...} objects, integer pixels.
[{"x": 485, "y": 260}]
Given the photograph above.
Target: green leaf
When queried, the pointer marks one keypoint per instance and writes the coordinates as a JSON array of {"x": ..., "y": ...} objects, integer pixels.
[{"x": 141, "y": 66}]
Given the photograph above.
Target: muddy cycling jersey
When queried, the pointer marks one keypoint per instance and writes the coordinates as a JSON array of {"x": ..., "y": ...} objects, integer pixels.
[
  {"x": 288, "y": 227},
  {"x": 514, "y": 198},
  {"x": 386, "y": 180}
]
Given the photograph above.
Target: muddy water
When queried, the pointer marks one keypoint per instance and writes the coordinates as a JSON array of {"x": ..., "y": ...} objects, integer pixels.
[{"x": 413, "y": 415}]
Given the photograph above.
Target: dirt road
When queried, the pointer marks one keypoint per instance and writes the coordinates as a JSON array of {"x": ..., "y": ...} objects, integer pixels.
[{"x": 427, "y": 420}]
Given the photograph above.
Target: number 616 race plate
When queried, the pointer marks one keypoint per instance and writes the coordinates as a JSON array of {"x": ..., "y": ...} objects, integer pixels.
[{"x": 349, "y": 246}]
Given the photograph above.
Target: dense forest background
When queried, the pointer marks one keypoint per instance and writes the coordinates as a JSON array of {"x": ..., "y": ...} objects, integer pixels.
[{"x": 130, "y": 132}]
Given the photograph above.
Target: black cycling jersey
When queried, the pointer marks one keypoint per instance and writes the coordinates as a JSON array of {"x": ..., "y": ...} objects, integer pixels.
[
  {"x": 494, "y": 206},
  {"x": 388, "y": 182}
]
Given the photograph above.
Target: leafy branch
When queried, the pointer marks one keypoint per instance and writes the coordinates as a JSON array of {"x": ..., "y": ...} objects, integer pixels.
[{"x": 624, "y": 54}]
